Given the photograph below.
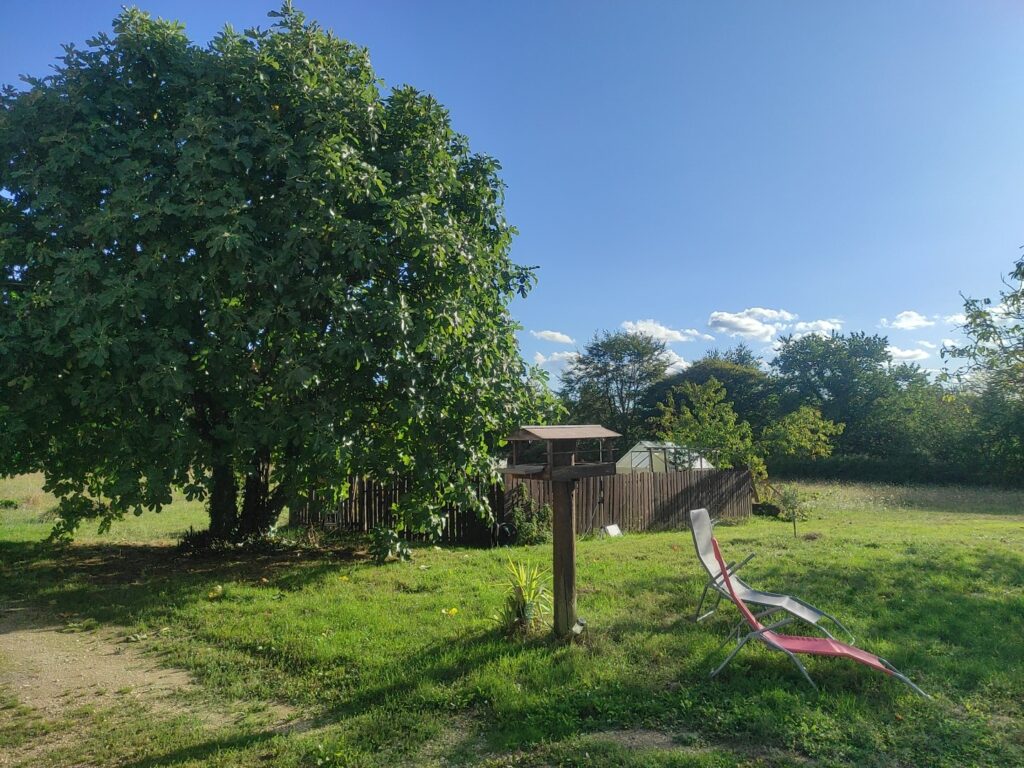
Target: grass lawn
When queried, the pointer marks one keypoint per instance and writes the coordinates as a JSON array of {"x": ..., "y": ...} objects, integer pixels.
[{"x": 375, "y": 668}]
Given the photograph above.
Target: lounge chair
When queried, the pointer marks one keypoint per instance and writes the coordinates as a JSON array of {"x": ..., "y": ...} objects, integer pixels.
[
  {"x": 792, "y": 645},
  {"x": 700, "y": 527}
]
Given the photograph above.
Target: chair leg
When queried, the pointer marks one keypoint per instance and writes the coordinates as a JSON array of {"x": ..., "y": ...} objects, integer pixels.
[
  {"x": 729, "y": 658},
  {"x": 828, "y": 634},
  {"x": 802, "y": 668},
  {"x": 696, "y": 615},
  {"x": 904, "y": 679},
  {"x": 718, "y": 599},
  {"x": 766, "y": 614},
  {"x": 734, "y": 634},
  {"x": 839, "y": 624}
]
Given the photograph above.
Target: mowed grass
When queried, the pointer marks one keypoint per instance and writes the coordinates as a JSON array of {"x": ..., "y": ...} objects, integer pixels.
[
  {"x": 381, "y": 671},
  {"x": 34, "y": 517}
]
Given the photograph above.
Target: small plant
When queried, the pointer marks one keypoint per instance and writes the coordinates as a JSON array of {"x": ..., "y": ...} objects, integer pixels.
[
  {"x": 527, "y": 600},
  {"x": 385, "y": 543},
  {"x": 216, "y": 593},
  {"x": 193, "y": 542},
  {"x": 530, "y": 519},
  {"x": 8, "y": 504},
  {"x": 792, "y": 503},
  {"x": 337, "y": 756},
  {"x": 203, "y": 543}
]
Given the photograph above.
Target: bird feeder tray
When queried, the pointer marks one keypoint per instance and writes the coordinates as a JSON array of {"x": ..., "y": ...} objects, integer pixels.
[{"x": 565, "y": 460}]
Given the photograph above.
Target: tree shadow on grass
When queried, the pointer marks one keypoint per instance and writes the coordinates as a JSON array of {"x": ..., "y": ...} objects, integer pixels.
[{"x": 121, "y": 583}]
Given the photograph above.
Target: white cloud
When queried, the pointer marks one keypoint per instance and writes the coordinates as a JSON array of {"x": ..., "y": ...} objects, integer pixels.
[
  {"x": 820, "y": 327},
  {"x": 908, "y": 320},
  {"x": 907, "y": 355},
  {"x": 928, "y": 345},
  {"x": 555, "y": 359},
  {"x": 555, "y": 336},
  {"x": 755, "y": 323},
  {"x": 676, "y": 362},
  {"x": 950, "y": 343},
  {"x": 770, "y": 315},
  {"x": 663, "y": 332},
  {"x": 958, "y": 318}
]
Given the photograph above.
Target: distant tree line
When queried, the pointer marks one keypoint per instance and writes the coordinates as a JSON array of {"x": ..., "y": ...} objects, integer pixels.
[{"x": 835, "y": 406}]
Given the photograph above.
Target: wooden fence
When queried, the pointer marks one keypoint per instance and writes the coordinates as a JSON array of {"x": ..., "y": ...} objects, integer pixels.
[
  {"x": 653, "y": 501},
  {"x": 641, "y": 501},
  {"x": 370, "y": 504}
]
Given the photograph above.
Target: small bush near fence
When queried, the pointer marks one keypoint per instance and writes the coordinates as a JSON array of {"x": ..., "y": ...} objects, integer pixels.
[
  {"x": 530, "y": 520},
  {"x": 385, "y": 543}
]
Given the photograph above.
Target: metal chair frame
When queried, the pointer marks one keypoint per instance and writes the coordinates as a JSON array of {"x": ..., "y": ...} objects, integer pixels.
[
  {"x": 716, "y": 582},
  {"x": 761, "y": 633}
]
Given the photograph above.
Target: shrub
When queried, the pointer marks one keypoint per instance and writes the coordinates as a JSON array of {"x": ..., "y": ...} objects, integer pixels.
[
  {"x": 527, "y": 600},
  {"x": 8, "y": 504},
  {"x": 792, "y": 503},
  {"x": 531, "y": 520},
  {"x": 386, "y": 543},
  {"x": 767, "y": 509},
  {"x": 199, "y": 543}
]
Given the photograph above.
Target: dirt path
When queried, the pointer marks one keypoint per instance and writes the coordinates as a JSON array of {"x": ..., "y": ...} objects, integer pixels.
[{"x": 53, "y": 670}]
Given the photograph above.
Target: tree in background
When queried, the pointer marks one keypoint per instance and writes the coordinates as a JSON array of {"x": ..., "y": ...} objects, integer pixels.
[
  {"x": 995, "y": 335},
  {"x": 608, "y": 382},
  {"x": 994, "y": 373},
  {"x": 749, "y": 388},
  {"x": 741, "y": 355},
  {"x": 842, "y": 375},
  {"x": 699, "y": 418},
  {"x": 802, "y": 433},
  {"x": 241, "y": 270},
  {"x": 900, "y": 424}
]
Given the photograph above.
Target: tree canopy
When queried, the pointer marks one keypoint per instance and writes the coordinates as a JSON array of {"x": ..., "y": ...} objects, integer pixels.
[
  {"x": 608, "y": 382},
  {"x": 699, "y": 418},
  {"x": 245, "y": 269}
]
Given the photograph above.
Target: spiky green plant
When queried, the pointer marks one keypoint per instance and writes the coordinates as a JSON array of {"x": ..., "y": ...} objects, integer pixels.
[{"x": 527, "y": 600}]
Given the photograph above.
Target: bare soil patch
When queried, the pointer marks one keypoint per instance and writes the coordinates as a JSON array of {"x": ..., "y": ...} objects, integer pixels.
[
  {"x": 54, "y": 670},
  {"x": 637, "y": 738}
]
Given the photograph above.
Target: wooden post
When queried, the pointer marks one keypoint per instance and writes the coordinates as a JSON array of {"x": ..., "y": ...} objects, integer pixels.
[{"x": 562, "y": 453}]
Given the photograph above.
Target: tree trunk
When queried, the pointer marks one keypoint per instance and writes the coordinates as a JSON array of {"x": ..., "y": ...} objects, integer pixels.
[
  {"x": 224, "y": 503},
  {"x": 260, "y": 507}
]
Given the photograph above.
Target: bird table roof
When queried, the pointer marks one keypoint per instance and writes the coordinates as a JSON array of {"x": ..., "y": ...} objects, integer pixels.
[{"x": 564, "y": 432}]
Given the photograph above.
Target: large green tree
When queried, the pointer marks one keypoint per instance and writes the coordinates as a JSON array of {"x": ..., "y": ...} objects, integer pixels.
[
  {"x": 700, "y": 418},
  {"x": 992, "y": 356},
  {"x": 609, "y": 381},
  {"x": 844, "y": 376},
  {"x": 243, "y": 269},
  {"x": 752, "y": 392},
  {"x": 995, "y": 335}
]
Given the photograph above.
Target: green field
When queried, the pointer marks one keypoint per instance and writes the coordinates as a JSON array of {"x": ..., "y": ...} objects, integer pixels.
[{"x": 316, "y": 657}]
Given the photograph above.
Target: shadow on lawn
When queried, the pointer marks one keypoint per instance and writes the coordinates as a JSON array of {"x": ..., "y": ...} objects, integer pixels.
[
  {"x": 205, "y": 751},
  {"x": 121, "y": 583}
]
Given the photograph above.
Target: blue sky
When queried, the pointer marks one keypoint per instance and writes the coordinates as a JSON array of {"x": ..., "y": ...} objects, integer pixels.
[{"x": 725, "y": 170}]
